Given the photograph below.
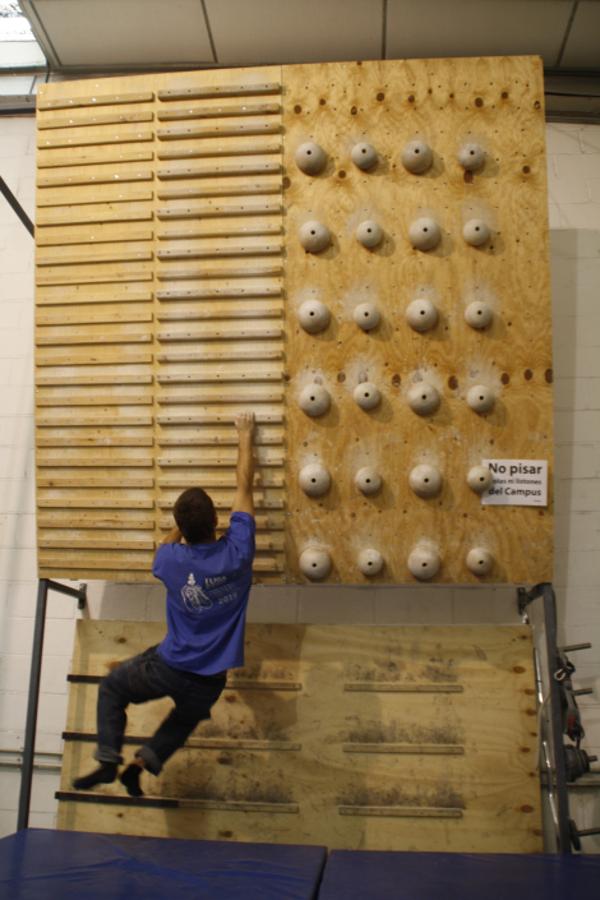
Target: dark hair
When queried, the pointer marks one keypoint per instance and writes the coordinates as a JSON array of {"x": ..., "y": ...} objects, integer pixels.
[{"x": 195, "y": 515}]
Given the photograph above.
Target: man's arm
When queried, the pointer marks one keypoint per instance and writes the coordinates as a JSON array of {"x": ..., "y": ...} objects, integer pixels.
[{"x": 243, "y": 500}]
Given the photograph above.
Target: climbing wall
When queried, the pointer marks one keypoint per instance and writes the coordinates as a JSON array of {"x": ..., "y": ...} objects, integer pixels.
[
  {"x": 179, "y": 273},
  {"x": 352, "y": 737},
  {"x": 496, "y": 104},
  {"x": 159, "y": 311}
]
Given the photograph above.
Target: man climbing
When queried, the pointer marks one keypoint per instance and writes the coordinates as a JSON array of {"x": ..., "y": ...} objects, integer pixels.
[{"x": 208, "y": 584}]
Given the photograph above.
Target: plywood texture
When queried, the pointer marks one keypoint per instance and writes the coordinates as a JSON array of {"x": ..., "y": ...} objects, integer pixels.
[
  {"x": 167, "y": 235},
  {"x": 355, "y": 737},
  {"x": 159, "y": 311}
]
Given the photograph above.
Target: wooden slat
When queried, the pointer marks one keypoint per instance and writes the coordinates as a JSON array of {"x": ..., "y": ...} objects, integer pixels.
[
  {"x": 202, "y": 273},
  {"x": 231, "y": 353},
  {"x": 112, "y": 480},
  {"x": 100, "y": 355},
  {"x": 108, "y": 176},
  {"x": 218, "y": 112},
  {"x": 87, "y": 138},
  {"x": 219, "y": 90},
  {"x": 215, "y": 293},
  {"x": 84, "y": 195},
  {"x": 121, "y": 378},
  {"x": 182, "y": 234},
  {"x": 93, "y": 100},
  {"x": 114, "y": 118},
  {"x": 86, "y": 398},
  {"x": 95, "y": 214},
  {"x": 96, "y": 543},
  {"x": 210, "y": 149},
  {"x": 85, "y": 257},
  {"x": 85, "y": 337},
  {"x": 96, "y": 501},
  {"x": 96, "y": 519},
  {"x": 219, "y": 210},
  {"x": 206, "y": 417},
  {"x": 82, "y": 420},
  {"x": 50, "y": 159},
  {"x": 87, "y": 295},
  {"x": 198, "y": 132},
  {"x": 220, "y": 169},
  {"x": 258, "y": 311},
  {"x": 223, "y": 252},
  {"x": 223, "y": 331},
  {"x": 202, "y": 191}
]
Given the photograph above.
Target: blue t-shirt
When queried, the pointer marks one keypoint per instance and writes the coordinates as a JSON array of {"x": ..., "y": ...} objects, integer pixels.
[{"x": 207, "y": 594}]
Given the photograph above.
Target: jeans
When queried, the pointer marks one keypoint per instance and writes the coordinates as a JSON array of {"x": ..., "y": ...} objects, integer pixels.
[{"x": 147, "y": 677}]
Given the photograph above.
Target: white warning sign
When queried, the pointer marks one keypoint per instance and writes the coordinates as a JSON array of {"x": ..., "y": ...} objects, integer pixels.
[{"x": 517, "y": 482}]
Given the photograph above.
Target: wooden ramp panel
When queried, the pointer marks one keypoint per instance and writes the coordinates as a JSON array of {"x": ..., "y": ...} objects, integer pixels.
[{"x": 355, "y": 737}]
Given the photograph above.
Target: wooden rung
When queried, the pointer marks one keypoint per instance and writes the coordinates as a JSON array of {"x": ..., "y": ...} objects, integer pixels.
[
  {"x": 92, "y": 100},
  {"x": 86, "y": 257},
  {"x": 86, "y": 462},
  {"x": 78, "y": 237},
  {"x": 87, "y": 399},
  {"x": 207, "y": 418},
  {"x": 102, "y": 561},
  {"x": 219, "y": 293},
  {"x": 184, "y": 234},
  {"x": 81, "y": 420},
  {"x": 99, "y": 440},
  {"x": 267, "y": 564},
  {"x": 192, "y": 273},
  {"x": 113, "y": 543},
  {"x": 222, "y": 170},
  {"x": 83, "y": 337},
  {"x": 217, "y": 479},
  {"x": 241, "y": 189},
  {"x": 101, "y": 356},
  {"x": 218, "y": 210},
  {"x": 223, "y": 90},
  {"x": 96, "y": 502},
  {"x": 403, "y": 687},
  {"x": 95, "y": 215},
  {"x": 410, "y": 812},
  {"x": 206, "y": 150},
  {"x": 58, "y": 198},
  {"x": 110, "y": 275},
  {"x": 44, "y": 123},
  {"x": 68, "y": 298},
  {"x": 227, "y": 437},
  {"x": 222, "y": 252},
  {"x": 220, "y": 377},
  {"x": 95, "y": 519},
  {"x": 198, "y": 132},
  {"x": 73, "y": 179},
  {"x": 200, "y": 314},
  {"x": 106, "y": 155},
  {"x": 233, "y": 353},
  {"x": 405, "y": 748},
  {"x": 224, "y": 457},
  {"x": 84, "y": 316},
  {"x": 228, "y": 332},
  {"x": 88, "y": 138},
  {"x": 250, "y": 393},
  {"x": 71, "y": 380},
  {"x": 101, "y": 481},
  {"x": 218, "y": 112}
]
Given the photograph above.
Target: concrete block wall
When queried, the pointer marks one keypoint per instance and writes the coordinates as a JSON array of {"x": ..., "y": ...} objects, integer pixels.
[{"x": 574, "y": 206}]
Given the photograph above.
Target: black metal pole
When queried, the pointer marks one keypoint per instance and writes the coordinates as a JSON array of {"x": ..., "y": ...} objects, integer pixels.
[
  {"x": 560, "y": 772},
  {"x": 12, "y": 201},
  {"x": 32, "y": 704}
]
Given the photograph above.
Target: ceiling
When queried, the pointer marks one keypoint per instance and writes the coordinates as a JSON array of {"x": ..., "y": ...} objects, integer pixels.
[
  {"x": 128, "y": 35},
  {"x": 94, "y": 37}
]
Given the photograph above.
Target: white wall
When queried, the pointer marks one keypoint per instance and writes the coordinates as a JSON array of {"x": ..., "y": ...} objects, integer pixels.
[{"x": 574, "y": 170}]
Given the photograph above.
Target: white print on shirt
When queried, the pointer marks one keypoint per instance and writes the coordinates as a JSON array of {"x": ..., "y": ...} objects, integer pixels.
[
  {"x": 194, "y": 597},
  {"x": 197, "y": 600}
]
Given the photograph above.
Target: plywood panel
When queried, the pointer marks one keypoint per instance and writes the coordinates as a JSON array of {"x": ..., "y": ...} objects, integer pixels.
[
  {"x": 354, "y": 737},
  {"x": 169, "y": 273},
  {"x": 498, "y": 103}
]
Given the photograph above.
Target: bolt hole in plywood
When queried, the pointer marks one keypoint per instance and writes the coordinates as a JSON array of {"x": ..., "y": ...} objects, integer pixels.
[
  {"x": 353, "y": 737},
  {"x": 173, "y": 290}
]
